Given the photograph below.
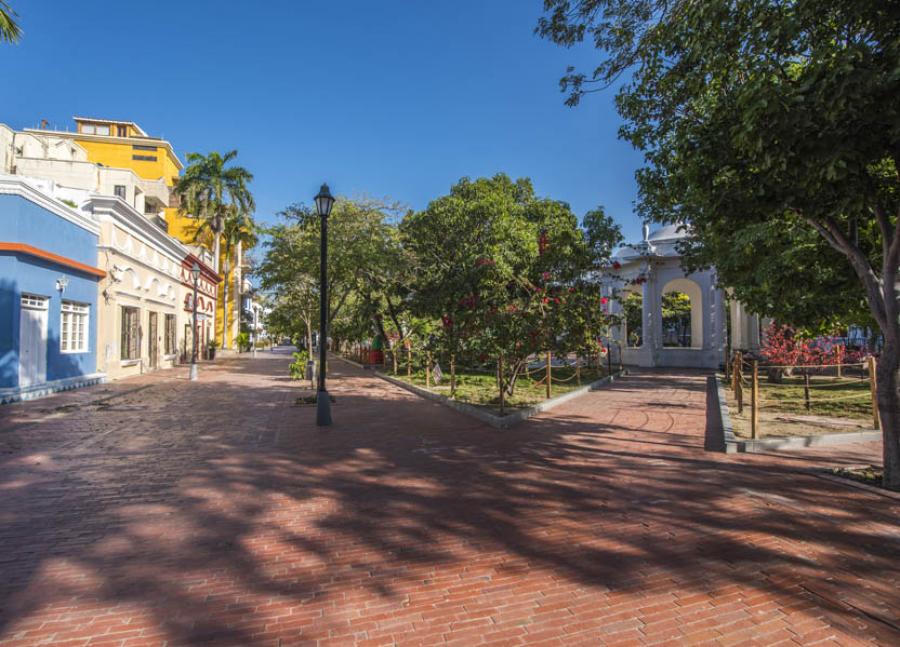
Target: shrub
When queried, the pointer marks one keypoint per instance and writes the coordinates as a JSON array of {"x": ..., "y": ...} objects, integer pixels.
[{"x": 298, "y": 366}]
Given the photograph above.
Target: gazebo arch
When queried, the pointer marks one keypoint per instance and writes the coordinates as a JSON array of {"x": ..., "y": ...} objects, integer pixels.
[{"x": 695, "y": 294}]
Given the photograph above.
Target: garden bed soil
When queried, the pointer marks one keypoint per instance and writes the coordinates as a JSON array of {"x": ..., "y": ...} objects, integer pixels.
[{"x": 836, "y": 406}]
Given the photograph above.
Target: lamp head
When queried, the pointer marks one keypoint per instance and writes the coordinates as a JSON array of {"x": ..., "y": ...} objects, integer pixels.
[
  {"x": 195, "y": 272},
  {"x": 324, "y": 202}
]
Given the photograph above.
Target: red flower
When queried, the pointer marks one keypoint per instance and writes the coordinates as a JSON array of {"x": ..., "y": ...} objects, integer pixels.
[
  {"x": 617, "y": 265},
  {"x": 604, "y": 301},
  {"x": 546, "y": 276},
  {"x": 571, "y": 290},
  {"x": 546, "y": 299}
]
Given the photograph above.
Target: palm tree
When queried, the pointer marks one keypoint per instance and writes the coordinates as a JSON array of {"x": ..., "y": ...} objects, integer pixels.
[
  {"x": 238, "y": 230},
  {"x": 10, "y": 31},
  {"x": 213, "y": 193}
]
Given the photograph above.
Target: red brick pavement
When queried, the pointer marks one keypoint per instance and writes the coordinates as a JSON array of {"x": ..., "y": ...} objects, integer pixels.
[{"x": 217, "y": 513}]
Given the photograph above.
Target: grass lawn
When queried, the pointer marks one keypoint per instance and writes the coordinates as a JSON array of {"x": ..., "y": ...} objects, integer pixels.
[
  {"x": 481, "y": 388},
  {"x": 836, "y": 405}
]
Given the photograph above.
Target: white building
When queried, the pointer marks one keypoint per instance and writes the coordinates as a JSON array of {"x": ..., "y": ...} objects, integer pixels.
[{"x": 694, "y": 331}]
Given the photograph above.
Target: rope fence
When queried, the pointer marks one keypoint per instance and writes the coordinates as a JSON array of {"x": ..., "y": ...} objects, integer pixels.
[
  {"x": 743, "y": 377},
  {"x": 538, "y": 371}
]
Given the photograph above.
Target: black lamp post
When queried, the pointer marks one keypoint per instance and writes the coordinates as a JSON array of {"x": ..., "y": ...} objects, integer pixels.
[
  {"x": 324, "y": 201},
  {"x": 195, "y": 274}
]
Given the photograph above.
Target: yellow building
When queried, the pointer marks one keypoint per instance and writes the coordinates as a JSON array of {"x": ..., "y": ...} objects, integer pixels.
[{"x": 123, "y": 144}]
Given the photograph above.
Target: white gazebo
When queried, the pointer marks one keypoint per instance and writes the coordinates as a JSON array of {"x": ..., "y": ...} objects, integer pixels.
[{"x": 693, "y": 332}]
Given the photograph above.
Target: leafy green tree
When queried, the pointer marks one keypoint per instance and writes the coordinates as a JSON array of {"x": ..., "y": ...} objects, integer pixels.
[
  {"x": 506, "y": 273},
  {"x": 9, "y": 28},
  {"x": 365, "y": 268},
  {"x": 760, "y": 116}
]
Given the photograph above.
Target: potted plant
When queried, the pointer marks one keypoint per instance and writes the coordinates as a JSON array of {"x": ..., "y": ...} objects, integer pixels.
[{"x": 211, "y": 349}]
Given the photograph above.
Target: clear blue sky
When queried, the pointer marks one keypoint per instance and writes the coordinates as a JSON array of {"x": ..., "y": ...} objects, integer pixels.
[{"x": 392, "y": 98}]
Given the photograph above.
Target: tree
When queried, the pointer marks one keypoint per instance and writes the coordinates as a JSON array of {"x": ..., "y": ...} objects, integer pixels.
[
  {"x": 758, "y": 116},
  {"x": 9, "y": 28},
  {"x": 507, "y": 273},
  {"x": 365, "y": 267},
  {"x": 217, "y": 195},
  {"x": 208, "y": 190}
]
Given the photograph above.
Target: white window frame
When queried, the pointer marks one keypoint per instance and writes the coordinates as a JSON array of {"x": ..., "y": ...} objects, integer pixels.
[{"x": 74, "y": 331}]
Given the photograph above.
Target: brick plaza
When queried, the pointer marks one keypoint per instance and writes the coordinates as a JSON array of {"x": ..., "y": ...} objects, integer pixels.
[{"x": 154, "y": 511}]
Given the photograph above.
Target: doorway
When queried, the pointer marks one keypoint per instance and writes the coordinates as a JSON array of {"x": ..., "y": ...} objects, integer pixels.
[
  {"x": 154, "y": 341},
  {"x": 33, "y": 340}
]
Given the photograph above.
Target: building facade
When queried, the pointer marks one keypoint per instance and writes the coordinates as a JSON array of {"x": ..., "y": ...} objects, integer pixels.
[
  {"x": 141, "y": 323},
  {"x": 205, "y": 306},
  {"x": 124, "y": 146},
  {"x": 48, "y": 293}
]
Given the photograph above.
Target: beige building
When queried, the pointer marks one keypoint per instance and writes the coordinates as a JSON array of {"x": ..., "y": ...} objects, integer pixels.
[{"x": 140, "y": 315}]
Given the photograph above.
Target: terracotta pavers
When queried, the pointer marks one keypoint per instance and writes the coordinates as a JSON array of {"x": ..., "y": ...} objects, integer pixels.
[{"x": 217, "y": 513}]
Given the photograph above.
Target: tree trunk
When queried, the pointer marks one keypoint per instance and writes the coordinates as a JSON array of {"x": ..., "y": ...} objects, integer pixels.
[
  {"x": 888, "y": 396},
  {"x": 225, "y": 306},
  {"x": 309, "y": 339}
]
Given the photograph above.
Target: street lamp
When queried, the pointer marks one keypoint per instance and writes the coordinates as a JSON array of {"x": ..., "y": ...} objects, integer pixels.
[
  {"x": 195, "y": 274},
  {"x": 324, "y": 201}
]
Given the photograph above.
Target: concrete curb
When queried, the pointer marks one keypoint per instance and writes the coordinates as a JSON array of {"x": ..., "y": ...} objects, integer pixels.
[
  {"x": 498, "y": 422},
  {"x": 729, "y": 441},
  {"x": 843, "y": 480},
  {"x": 752, "y": 446}
]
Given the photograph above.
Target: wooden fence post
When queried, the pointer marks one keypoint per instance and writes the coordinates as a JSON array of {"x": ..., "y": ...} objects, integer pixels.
[
  {"x": 738, "y": 376},
  {"x": 428, "y": 370},
  {"x": 839, "y": 351},
  {"x": 577, "y": 370},
  {"x": 754, "y": 402},
  {"x": 500, "y": 382},
  {"x": 452, "y": 374},
  {"x": 806, "y": 390},
  {"x": 549, "y": 376},
  {"x": 873, "y": 386},
  {"x": 409, "y": 361},
  {"x": 727, "y": 367}
]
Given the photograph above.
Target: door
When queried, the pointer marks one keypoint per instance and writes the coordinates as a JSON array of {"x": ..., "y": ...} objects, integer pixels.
[
  {"x": 154, "y": 341},
  {"x": 33, "y": 340}
]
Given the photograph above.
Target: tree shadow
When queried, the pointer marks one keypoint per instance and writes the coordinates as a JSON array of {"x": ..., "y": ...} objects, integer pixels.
[{"x": 218, "y": 512}]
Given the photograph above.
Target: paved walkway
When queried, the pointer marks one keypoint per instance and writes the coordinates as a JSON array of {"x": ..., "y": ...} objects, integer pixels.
[{"x": 157, "y": 511}]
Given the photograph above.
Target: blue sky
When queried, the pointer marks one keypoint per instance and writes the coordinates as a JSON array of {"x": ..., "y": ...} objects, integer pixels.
[{"x": 392, "y": 98}]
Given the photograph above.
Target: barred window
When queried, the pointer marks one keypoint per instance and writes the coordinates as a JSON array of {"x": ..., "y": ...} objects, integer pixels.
[
  {"x": 73, "y": 335},
  {"x": 171, "y": 349},
  {"x": 131, "y": 336}
]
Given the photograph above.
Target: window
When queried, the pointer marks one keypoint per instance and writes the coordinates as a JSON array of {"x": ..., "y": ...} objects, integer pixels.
[
  {"x": 131, "y": 335},
  {"x": 94, "y": 129},
  {"x": 170, "y": 335},
  {"x": 119, "y": 190},
  {"x": 122, "y": 131},
  {"x": 140, "y": 147},
  {"x": 73, "y": 334},
  {"x": 33, "y": 302},
  {"x": 144, "y": 158}
]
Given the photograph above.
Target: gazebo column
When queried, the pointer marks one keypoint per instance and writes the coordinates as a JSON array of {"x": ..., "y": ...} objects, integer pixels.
[{"x": 651, "y": 322}]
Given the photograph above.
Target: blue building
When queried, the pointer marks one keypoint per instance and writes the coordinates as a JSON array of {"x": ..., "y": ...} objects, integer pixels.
[{"x": 48, "y": 293}]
